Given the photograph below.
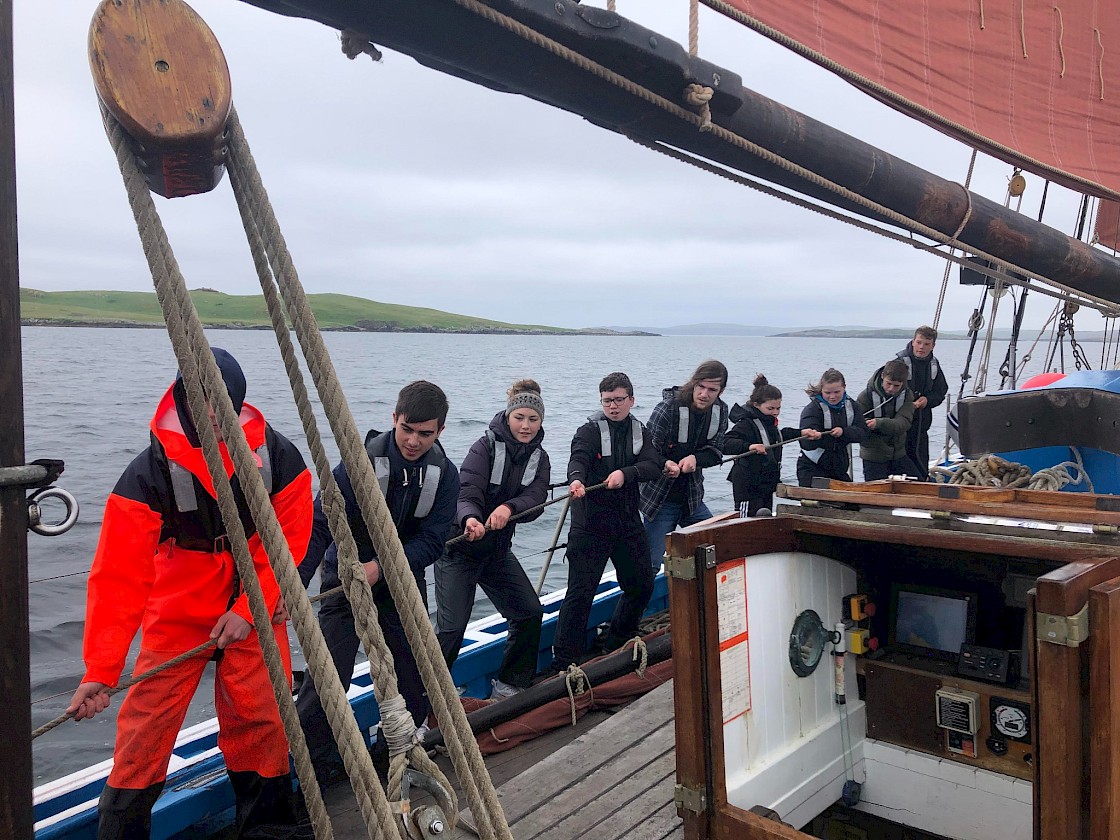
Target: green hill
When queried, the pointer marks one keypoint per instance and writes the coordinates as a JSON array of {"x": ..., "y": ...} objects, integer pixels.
[{"x": 216, "y": 309}]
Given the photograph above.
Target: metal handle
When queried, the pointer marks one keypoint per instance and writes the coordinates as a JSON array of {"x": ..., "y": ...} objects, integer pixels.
[{"x": 35, "y": 515}]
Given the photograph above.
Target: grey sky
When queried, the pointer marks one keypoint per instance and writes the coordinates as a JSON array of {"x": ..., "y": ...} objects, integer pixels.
[{"x": 397, "y": 183}]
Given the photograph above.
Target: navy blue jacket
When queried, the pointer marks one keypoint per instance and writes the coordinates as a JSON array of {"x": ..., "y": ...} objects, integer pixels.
[{"x": 423, "y": 537}]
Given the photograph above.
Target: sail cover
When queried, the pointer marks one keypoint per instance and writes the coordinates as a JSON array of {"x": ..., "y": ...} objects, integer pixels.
[{"x": 1034, "y": 84}]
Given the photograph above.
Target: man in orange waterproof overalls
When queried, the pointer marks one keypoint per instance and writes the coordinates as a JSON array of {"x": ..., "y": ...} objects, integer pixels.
[{"x": 163, "y": 563}]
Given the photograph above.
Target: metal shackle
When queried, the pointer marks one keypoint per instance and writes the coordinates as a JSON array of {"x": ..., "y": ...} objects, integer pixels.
[{"x": 35, "y": 514}]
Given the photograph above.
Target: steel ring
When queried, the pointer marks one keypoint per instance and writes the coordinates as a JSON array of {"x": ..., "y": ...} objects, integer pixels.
[{"x": 45, "y": 529}]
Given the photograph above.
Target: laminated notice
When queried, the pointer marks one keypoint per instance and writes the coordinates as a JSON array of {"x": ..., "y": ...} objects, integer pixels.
[{"x": 734, "y": 644}]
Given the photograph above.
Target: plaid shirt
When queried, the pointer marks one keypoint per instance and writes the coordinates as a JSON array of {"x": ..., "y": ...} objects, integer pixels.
[{"x": 663, "y": 426}]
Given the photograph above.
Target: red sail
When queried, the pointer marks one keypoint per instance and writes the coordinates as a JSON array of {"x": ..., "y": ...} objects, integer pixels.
[
  {"x": 1035, "y": 84},
  {"x": 1108, "y": 224}
]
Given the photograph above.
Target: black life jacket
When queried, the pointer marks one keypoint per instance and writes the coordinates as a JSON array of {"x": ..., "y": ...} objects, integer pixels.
[
  {"x": 431, "y": 471},
  {"x": 500, "y": 462},
  {"x": 815, "y": 455}
]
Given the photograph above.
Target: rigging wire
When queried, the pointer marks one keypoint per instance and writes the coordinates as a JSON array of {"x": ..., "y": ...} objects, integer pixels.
[
  {"x": 945, "y": 276},
  {"x": 700, "y": 119},
  {"x": 1058, "y": 291},
  {"x": 1042, "y": 330},
  {"x": 975, "y": 323}
]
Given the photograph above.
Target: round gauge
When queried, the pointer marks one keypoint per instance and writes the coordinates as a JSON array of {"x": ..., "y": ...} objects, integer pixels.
[{"x": 1011, "y": 721}]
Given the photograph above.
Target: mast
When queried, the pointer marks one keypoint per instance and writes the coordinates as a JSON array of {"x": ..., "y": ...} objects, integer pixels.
[
  {"x": 444, "y": 36},
  {"x": 15, "y": 675}
]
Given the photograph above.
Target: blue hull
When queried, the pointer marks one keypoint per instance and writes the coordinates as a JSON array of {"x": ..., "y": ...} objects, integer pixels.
[{"x": 1076, "y": 416}]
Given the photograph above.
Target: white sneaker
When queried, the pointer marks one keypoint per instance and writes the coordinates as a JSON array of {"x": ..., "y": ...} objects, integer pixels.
[{"x": 500, "y": 690}]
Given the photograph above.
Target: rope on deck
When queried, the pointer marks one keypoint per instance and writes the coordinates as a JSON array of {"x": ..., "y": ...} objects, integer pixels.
[{"x": 994, "y": 471}]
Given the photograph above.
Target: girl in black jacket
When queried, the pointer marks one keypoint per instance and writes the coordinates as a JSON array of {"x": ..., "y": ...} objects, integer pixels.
[
  {"x": 505, "y": 473},
  {"x": 754, "y": 477},
  {"x": 837, "y": 417}
]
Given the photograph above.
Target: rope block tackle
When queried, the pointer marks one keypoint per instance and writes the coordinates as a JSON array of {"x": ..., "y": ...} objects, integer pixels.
[{"x": 159, "y": 70}]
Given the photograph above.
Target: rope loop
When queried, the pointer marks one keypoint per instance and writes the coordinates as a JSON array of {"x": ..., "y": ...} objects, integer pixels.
[
  {"x": 640, "y": 655},
  {"x": 577, "y": 683}
]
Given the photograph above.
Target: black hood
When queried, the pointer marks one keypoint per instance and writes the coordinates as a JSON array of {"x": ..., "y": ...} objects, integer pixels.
[
  {"x": 750, "y": 412},
  {"x": 234, "y": 378}
]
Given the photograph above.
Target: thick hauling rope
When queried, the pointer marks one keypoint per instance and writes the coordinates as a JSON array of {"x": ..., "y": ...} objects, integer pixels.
[
  {"x": 205, "y": 384},
  {"x": 994, "y": 471}
]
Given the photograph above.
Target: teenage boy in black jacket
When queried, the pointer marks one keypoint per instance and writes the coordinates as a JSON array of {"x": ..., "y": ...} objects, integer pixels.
[
  {"x": 421, "y": 487},
  {"x": 928, "y": 385},
  {"x": 614, "y": 447}
]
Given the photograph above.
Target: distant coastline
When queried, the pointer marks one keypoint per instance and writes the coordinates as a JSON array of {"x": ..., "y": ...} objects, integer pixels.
[
  {"x": 126, "y": 325},
  {"x": 219, "y": 311},
  {"x": 346, "y": 313}
]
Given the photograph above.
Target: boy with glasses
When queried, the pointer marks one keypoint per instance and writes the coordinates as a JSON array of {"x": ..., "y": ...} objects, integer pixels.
[{"x": 612, "y": 447}]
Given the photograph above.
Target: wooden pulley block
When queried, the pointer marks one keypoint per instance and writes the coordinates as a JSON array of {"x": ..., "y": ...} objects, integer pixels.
[{"x": 160, "y": 71}]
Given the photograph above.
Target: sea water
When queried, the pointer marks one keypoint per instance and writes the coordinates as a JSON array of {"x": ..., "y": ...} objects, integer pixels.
[{"x": 90, "y": 393}]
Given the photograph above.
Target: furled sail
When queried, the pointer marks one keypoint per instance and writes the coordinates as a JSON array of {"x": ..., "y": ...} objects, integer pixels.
[{"x": 1034, "y": 84}]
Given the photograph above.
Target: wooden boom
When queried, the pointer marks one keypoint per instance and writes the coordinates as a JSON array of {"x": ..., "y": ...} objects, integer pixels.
[{"x": 159, "y": 70}]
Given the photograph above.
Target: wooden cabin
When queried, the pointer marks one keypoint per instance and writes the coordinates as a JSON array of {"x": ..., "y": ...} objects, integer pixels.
[{"x": 985, "y": 710}]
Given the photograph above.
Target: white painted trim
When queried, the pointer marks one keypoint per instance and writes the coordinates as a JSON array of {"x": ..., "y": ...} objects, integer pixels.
[{"x": 943, "y": 796}]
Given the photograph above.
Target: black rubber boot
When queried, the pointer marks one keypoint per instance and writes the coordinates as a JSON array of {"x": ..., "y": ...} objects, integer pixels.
[
  {"x": 126, "y": 813},
  {"x": 263, "y": 806}
]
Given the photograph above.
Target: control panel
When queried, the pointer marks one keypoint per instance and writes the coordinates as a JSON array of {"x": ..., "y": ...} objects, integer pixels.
[
  {"x": 913, "y": 705},
  {"x": 988, "y": 664}
]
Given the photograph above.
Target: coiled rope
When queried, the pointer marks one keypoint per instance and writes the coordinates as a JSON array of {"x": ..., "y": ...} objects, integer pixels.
[{"x": 994, "y": 471}]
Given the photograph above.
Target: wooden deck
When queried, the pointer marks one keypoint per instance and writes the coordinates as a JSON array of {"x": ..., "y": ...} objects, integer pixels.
[{"x": 608, "y": 778}]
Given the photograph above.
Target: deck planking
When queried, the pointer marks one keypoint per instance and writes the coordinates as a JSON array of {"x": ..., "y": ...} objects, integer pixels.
[
  {"x": 614, "y": 781},
  {"x": 609, "y": 777}
]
